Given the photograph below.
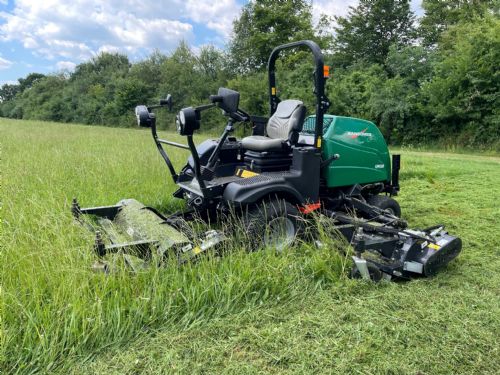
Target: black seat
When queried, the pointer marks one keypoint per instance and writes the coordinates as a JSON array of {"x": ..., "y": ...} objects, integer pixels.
[{"x": 282, "y": 129}]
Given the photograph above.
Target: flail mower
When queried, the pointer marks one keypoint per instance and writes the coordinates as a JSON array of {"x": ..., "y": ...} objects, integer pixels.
[{"x": 292, "y": 167}]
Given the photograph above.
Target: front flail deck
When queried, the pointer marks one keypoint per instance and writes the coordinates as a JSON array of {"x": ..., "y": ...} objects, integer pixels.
[{"x": 133, "y": 229}]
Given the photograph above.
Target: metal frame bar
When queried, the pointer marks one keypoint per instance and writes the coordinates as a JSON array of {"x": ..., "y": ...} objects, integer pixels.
[
  {"x": 161, "y": 150},
  {"x": 175, "y": 144},
  {"x": 196, "y": 161},
  {"x": 322, "y": 102}
]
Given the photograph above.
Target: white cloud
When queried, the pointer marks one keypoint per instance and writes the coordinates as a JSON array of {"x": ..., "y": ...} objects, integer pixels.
[
  {"x": 332, "y": 8},
  {"x": 340, "y": 8},
  {"x": 5, "y": 64},
  {"x": 73, "y": 31},
  {"x": 216, "y": 15},
  {"x": 65, "y": 65},
  {"x": 4, "y": 2},
  {"x": 77, "y": 30}
]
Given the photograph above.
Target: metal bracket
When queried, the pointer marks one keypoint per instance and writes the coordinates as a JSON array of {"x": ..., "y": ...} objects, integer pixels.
[{"x": 362, "y": 267}]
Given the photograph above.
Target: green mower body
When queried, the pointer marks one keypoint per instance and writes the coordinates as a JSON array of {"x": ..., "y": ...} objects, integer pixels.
[{"x": 364, "y": 156}]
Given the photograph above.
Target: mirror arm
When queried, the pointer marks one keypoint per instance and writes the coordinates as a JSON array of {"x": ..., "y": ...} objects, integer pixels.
[
  {"x": 196, "y": 162},
  {"x": 215, "y": 154},
  {"x": 204, "y": 107},
  {"x": 160, "y": 148}
]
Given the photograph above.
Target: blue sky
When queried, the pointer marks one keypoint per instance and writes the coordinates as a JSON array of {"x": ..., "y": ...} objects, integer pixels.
[{"x": 52, "y": 35}]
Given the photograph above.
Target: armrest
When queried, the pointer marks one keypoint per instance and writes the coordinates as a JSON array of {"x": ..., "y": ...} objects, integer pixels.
[{"x": 258, "y": 125}]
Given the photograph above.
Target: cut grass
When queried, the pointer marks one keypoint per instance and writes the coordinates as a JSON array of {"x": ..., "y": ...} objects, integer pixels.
[{"x": 294, "y": 313}]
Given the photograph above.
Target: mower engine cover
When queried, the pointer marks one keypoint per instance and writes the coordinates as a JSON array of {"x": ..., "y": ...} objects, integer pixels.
[{"x": 364, "y": 155}]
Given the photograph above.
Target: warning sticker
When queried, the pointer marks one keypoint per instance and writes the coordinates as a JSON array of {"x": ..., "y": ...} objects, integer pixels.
[{"x": 434, "y": 246}]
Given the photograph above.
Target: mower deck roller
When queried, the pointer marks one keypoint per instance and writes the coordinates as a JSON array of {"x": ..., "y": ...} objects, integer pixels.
[{"x": 292, "y": 165}]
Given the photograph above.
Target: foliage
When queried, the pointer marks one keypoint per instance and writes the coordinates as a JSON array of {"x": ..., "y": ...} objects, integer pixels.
[
  {"x": 395, "y": 105},
  {"x": 438, "y": 82},
  {"x": 255, "y": 100},
  {"x": 264, "y": 24},
  {"x": 440, "y": 15},
  {"x": 463, "y": 95},
  {"x": 370, "y": 29},
  {"x": 351, "y": 89},
  {"x": 8, "y": 92}
]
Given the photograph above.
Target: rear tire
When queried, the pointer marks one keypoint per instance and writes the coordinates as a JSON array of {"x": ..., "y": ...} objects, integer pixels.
[
  {"x": 275, "y": 223},
  {"x": 385, "y": 203}
]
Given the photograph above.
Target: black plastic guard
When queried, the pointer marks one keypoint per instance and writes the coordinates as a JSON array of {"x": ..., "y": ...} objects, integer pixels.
[
  {"x": 298, "y": 185},
  {"x": 250, "y": 190},
  {"x": 439, "y": 255}
]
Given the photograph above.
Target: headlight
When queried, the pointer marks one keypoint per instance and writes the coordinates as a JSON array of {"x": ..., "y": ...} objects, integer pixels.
[
  {"x": 187, "y": 121},
  {"x": 179, "y": 122},
  {"x": 142, "y": 115}
]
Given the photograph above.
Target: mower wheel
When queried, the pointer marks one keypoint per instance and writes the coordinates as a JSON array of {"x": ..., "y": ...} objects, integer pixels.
[
  {"x": 373, "y": 271},
  {"x": 385, "y": 203},
  {"x": 275, "y": 224}
]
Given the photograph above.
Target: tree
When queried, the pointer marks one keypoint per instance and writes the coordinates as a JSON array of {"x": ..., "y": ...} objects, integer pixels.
[
  {"x": 8, "y": 92},
  {"x": 102, "y": 67},
  {"x": 44, "y": 101},
  {"x": 462, "y": 97},
  {"x": 440, "y": 15},
  {"x": 253, "y": 90},
  {"x": 30, "y": 80},
  {"x": 368, "y": 31},
  {"x": 265, "y": 24},
  {"x": 92, "y": 89},
  {"x": 395, "y": 104},
  {"x": 148, "y": 71},
  {"x": 213, "y": 63},
  {"x": 350, "y": 90},
  {"x": 413, "y": 63}
]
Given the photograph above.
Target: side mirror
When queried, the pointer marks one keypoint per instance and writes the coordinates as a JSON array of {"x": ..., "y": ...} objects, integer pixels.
[
  {"x": 227, "y": 100},
  {"x": 167, "y": 102},
  {"x": 143, "y": 116},
  {"x": 187, "y": 121}
]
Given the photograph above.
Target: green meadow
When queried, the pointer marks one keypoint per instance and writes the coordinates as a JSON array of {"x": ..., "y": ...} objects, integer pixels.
[{"x": 262, "y": 312}]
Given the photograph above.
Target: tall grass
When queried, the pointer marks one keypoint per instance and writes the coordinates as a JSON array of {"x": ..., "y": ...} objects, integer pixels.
[
  {"x": 55, "y": 311},
  {"x": 55, "y": 308}
]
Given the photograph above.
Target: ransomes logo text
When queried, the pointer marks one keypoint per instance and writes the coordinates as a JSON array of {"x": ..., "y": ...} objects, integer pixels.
[{"x": 362, "y": 133}]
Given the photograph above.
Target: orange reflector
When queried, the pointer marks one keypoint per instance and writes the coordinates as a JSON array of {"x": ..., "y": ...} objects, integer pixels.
[
  {"x": 308, "y": 208},
  {"x": 326, "y": 71},
  {"x": 273, "y": 90}
]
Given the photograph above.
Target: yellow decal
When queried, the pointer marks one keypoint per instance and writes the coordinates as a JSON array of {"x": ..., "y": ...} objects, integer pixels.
[
  {"x": 247, "y": 174},
  {"x": 434, "y": 246},
  {"x": 243, "y": 173},
  {"x": 318, "y": 142},
  {"x": 273, "y": 90},
  {"x": 197, "y": 250}
]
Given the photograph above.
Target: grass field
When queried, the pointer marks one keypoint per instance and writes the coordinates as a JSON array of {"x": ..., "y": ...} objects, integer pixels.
[{"x": 247, "y": 313}]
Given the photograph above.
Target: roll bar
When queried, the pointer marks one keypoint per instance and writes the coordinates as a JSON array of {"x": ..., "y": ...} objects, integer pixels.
[{"x": 320, "y": 76}]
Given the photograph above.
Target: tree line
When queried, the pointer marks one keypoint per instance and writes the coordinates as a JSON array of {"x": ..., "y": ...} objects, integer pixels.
[{"x": 421, "y": 80}]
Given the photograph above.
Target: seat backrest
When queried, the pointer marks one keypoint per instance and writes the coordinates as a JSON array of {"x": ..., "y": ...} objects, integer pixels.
[{"x": 287, "y": 121}]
